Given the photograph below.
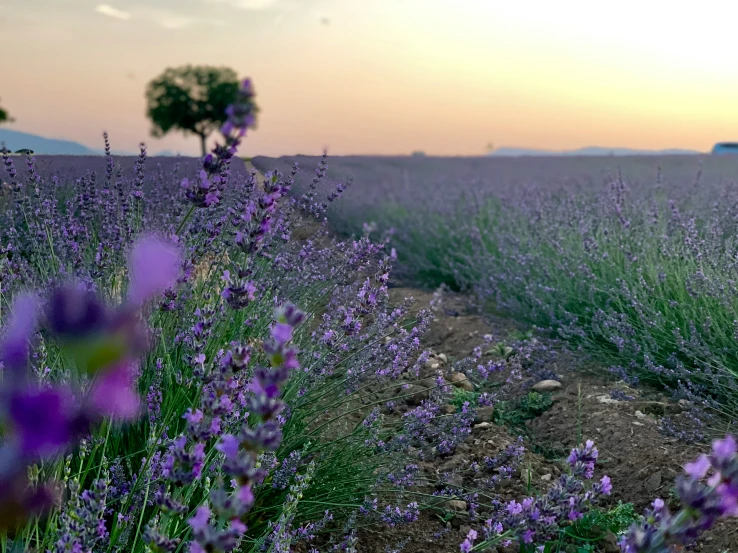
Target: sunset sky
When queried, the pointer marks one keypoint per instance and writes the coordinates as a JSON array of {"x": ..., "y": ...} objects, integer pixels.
[{"x": 385, "y": 76}]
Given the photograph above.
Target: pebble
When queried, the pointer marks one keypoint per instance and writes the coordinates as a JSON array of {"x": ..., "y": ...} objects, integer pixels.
[
  {"x": 610, "y": 543},
  {"x": 547, "y": 386},
  {"x": 450, "y": 465},
  {"x": 456, "y": 505},
  {"x": 546, "y": 477},
  {"x": 654, "y": 482},
  {"x": 420, "y": 391},
  {"x": 640, "y": 415},
  {"x": 461, "y": 381},
  {"x": 606, "y": 399},
  {"x": 442, "y": 357},
  {"x": 482, "y": 425},
  {"x": 484, "y": 414},
  {"x": 448, "y": 409}
]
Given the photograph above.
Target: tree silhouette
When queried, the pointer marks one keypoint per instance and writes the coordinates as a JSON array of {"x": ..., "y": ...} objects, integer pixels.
[
  {"x": 192, "y": 99},
  {"x": 5, "y": 117}
]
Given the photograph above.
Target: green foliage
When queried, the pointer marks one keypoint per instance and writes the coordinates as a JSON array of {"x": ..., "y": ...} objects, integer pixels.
[
  {"x": 5, "y": 116},
  {"x": 595, "y": 525},
  {"x": 192, "y": 99},
  {"x": 430, "y": 245},
  {"x": 588, "y": 533},
  {"x": 515, "y": 413},
  {"x": 462, "y": 396}
]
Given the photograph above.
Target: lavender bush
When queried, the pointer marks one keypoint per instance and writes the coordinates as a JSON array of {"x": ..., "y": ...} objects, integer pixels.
[
  {"x": 635, "y": 265},
  {"x": 171, "y": 307}
]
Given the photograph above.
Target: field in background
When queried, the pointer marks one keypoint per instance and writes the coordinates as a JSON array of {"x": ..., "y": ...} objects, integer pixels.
[{"x": 634, "y": 260}]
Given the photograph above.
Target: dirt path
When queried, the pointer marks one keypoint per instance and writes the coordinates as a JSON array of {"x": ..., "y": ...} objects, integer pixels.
[{"x": 641, "y": 461}]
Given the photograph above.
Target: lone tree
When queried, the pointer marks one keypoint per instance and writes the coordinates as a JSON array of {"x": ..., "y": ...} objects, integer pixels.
[
  {"x": 192, "y": 99},
  {"x": 4, "y": 117}
]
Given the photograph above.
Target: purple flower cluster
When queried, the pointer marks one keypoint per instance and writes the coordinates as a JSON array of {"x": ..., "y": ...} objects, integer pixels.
[
  {"x": 707, "y": 492},
  {"x": 228, "y": 389},
  {"x": 104, "y": 345},
  {"x": 207, "y": 189},
  {"x": 537, "y": 520}
]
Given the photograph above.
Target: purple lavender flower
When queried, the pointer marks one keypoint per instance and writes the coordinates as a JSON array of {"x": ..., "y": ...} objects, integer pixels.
[
  {"x": 703, "y": 503},
  {"x": 154, "y": 267},
  {"x": 114, "y": 393},
  {"x": 15, "y": 343},
  {"x": 42, "y": 421},
  {"x": 582, "y": 459},
  {"x": 75, "y": 311}
]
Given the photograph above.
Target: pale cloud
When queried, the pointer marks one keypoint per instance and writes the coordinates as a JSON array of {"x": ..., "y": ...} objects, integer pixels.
[
  {"x": 175, "y": 22},
  {"x": 165, "y": 19},
  {"x": 246, "y": 4},
  {"x": 110, "y": 11}
]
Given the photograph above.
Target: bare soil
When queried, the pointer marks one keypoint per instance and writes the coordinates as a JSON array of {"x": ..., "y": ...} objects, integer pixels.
[{"x": 641, "y": 460}]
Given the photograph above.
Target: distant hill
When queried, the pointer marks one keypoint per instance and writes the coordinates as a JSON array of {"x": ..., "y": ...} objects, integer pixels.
[
  {"x": 16, "y": 140},
  {"x": 589, "y": 151}
]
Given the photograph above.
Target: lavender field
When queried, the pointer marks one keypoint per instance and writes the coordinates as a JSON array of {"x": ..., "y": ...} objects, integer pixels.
[
  {"x": 632, "y": 259},
  {"x": 194, "y": 360}
]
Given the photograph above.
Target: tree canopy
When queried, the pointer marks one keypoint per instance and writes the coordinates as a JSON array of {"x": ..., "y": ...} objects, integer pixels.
[
  {"x": 4, "y": 116},
  {"x": 191, "y": 99}
]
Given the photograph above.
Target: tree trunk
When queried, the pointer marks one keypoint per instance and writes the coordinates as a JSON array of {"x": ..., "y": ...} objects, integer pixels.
[{"x": 202, "y": 144}]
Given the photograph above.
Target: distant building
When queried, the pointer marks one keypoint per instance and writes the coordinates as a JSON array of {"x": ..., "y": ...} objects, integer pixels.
[
  {"x": 418, "y": 154},
  {"x": 725, "y": 148}
]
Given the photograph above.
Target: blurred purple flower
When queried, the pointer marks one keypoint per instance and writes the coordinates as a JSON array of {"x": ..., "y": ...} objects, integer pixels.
[
  {"x": 605, "y": 485},
  {"x": 702, "y": 504},
  {"x": 114, "y": 393},
  {"x": 41, "y": 420},
  {"x": 282, "y": 333},
  {"x": 698, "y": 469},
  {"x": 725, "y": 449},
  {"x": 229, "y": 446},
  {"x": 154, "y": 267},
  {"x": 200, "y": 521},
  {"x": 73, "y": 310},
  {"x": 14, "y": 348}
]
